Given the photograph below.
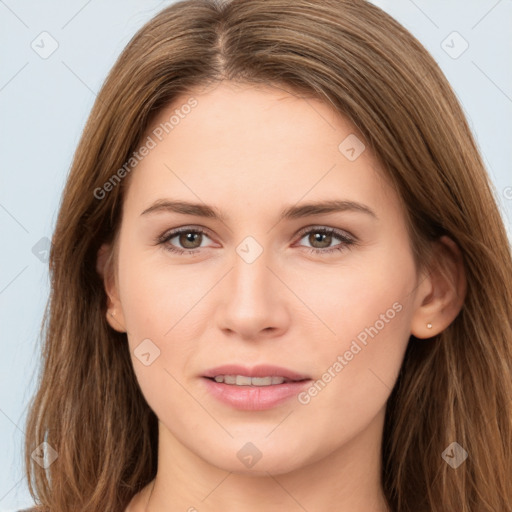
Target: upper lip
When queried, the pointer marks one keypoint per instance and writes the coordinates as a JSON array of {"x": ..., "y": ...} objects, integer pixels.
[{"x": 263, "y": 370}]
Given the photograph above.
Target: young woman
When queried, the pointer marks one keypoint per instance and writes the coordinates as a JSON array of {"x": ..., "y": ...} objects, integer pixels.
[{"x": 279, "y": 278}]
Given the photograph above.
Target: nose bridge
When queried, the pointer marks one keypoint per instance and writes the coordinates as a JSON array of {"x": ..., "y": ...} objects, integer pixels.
[
  {"x": 250, "y": 275},
  {"x": 251, "y": 300}
]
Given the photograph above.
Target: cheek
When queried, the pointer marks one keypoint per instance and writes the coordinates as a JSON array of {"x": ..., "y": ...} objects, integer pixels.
[
  {"x": 170, "y": 305},
  {"x": 346, "y": 300},
  {"x": 157, "y": 305},
  {"x": 357, "y": 367},
  {"x": 156, "y": 296}
]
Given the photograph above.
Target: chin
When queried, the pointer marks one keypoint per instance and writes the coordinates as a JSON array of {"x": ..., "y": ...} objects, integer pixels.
[{"x": 250, "y": 460}]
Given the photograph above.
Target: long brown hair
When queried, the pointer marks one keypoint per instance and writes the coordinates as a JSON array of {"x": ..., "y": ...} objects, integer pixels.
[{"x": 456, "y": 386}]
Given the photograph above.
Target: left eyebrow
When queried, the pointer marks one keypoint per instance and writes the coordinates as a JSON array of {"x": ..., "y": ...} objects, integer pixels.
[
  {"x": 290, "y": 212},
  {"x": 323, "y": 207}
]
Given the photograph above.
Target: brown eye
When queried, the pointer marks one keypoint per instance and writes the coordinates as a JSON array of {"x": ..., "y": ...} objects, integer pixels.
[
  {"x": 183, "y": 240},
  {"x": 324, "y": 240},
  {"x": 188, "y": 239},
  {"x": 320, "y": 240}
]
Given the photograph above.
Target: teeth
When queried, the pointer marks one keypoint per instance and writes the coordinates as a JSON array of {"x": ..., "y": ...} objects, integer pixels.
[{"x": 242, "y": 380}]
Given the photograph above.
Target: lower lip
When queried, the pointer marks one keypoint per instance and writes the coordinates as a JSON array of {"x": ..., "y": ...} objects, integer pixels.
[{"x": 255, "y": 398}]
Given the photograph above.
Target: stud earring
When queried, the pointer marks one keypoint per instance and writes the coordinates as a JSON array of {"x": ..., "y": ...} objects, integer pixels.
[{"x": 429, "y": 325}]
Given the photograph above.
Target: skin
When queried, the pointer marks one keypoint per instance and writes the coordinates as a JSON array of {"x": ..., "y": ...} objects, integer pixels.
[{"x": 250, "y": 152}]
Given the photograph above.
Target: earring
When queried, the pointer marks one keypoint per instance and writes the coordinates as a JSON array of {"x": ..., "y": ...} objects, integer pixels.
[{"x": 429, "y": 326}]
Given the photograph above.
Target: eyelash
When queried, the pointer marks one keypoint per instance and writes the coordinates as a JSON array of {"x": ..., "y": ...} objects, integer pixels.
[{"x": 346, "y": 240}]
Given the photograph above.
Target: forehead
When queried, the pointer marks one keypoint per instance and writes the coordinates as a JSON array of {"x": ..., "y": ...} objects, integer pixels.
[{"x": 248, "y": 145}]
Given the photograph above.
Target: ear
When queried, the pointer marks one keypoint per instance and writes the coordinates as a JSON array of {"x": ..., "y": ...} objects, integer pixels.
[
  {"x": 105, "y": 268},
  {"x": 442, "y": 292}
]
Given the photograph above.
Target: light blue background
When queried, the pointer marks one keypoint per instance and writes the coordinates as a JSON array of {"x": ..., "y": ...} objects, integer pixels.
[{"x": 44, "y": 104}]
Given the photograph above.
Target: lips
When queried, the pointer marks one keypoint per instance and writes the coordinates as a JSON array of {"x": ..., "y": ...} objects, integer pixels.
[
  {"x": 251, "y": 394},
  {"x": 256, "y": 371}
]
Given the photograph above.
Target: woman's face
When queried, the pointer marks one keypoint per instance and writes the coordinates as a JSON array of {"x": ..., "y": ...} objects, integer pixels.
[{"x": 261, "y": 284}]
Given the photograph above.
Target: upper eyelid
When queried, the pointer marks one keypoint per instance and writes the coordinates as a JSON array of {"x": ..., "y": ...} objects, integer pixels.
[
  {"x": 320, "y": 227},
  {"x": 171, "y": 233}
]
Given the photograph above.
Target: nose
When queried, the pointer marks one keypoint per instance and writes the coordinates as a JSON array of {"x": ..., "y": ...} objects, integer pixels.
[{"x": 253, "y": 302}]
